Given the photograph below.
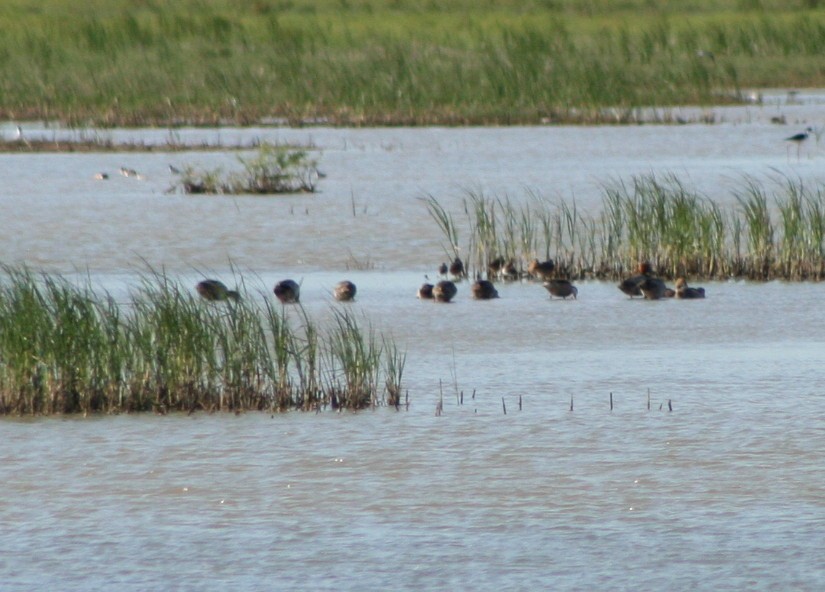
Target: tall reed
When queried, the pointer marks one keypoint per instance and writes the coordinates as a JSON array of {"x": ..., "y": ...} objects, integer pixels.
[
  {"x": 354, "y": 363},
  {"x": 446, "y": 223},
  {"x": 66, "y": 349},
  {"x": 775, "y": 230}
]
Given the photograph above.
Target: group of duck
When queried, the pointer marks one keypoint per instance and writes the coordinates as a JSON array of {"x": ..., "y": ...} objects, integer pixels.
[
  {"x": 286, "y": 291},
  {"x": 643, "y": 284},
  {"x": 484, "y": 289}
]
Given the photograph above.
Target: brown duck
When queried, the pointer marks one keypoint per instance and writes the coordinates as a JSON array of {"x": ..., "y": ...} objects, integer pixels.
[
  {"x": 645, "y": 284},
  {"x": 216, "y": 290},
  {"x": 484, "y": 290},
  {"x": 444, "y": 291},
  {"x": 541, "y": 270},
  {"x": 457, "y": 269},
  {"x": 561, "y": 288},
  {"x": 287, "y": 291},
  {"x": 344, "y": 291},
  {"x": 425, "y": 292},
  {"x": 684, "y": 291}
]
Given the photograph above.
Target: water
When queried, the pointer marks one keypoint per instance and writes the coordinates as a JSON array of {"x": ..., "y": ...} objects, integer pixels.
[{"x": 723, "y": 492}]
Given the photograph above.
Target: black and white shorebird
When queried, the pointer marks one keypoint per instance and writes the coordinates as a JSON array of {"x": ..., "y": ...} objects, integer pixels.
[
  {"x": 19, "y": 137},
  {"x": 799, "y": 139},
  {"x": 126, "y": 172}
]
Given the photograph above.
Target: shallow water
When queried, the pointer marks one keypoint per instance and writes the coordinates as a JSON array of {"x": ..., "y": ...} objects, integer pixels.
[{"x": 723, "y": 492}]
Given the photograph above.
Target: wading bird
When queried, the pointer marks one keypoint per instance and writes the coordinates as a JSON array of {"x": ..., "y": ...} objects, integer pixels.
[
  {"x": 19, "y": 137},
  {"x": 798, "y": 139},
  {"x": 130, "y": 173}
]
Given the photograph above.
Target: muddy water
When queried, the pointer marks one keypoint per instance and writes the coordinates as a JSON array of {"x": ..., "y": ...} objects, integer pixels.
[{"x": 706, "y": 474}]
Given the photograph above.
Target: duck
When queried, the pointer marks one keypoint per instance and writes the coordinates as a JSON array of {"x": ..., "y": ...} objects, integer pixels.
[
  {"x": 443, "y": 269},
  {"x": 495, "y": 267},
  {"x": 344, "y": 291},
  {"x": 483, "y": 290},
  {"x": 457, "y": 269},
  {"x": 509, "y": 272},
  {"x": 541, "y": 270},
  {"x": 216, "y": 290},
  {"x": 561, "y": 289},
  {"x": 684, "y": 291},
  {"x": 654, "y": 288},
  {"x": 425, "y": 292},
  {"x": 444, "y": 291},
  {"x": 630, "y": 286},
  {"x": 287, "y": 291}
]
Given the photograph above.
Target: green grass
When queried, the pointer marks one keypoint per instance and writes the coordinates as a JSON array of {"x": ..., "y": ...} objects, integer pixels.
[
  {"x": 776, "y": 230},
  {"x": 66, "y": 349},
  {"x": 394, "y": 61}
]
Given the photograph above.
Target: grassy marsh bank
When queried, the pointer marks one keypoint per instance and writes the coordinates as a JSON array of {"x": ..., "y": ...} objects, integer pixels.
[
  {"x": 84, "y": 141},
  {"x": 402, "y": 62},
  {"x": 108, "y": 145},
  {"x": 66, "y": 349},
  {"x": 776, "y": 230}
]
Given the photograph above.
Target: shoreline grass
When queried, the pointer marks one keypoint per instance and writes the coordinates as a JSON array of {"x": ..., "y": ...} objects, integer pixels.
[
  {"x": 85, "y": 141},
  {"x": 775, "y": 230},
  {"x": 399, "y": 62},
  {"x": 97, "y": 146},
  {"x": 65, "y": 349}
]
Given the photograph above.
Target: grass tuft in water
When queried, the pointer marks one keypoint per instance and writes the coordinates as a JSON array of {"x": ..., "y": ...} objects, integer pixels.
[
  {"x": 273, "y": 169},
  {"x": 66, "y": 349},
  {"x": 775, "y": 231}
]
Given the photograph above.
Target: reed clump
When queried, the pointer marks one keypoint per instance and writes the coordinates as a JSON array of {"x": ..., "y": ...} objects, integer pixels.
[
  {"x": 774, "y": 230},
  {"x": 64, "y": 349},
  {"x": 272, "y": 170}
]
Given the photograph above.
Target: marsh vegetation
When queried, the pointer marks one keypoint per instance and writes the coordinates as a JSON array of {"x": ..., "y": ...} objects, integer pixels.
[
  {"x": 384, "y": 62},
  {"x": 273, "y": 169},
  {"x": 776, "y": 230},
  {"x": 64, "y": 348}
]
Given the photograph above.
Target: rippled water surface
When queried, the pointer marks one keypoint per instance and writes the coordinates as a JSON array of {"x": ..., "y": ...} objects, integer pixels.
[{"x": 706, "y": 474}]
